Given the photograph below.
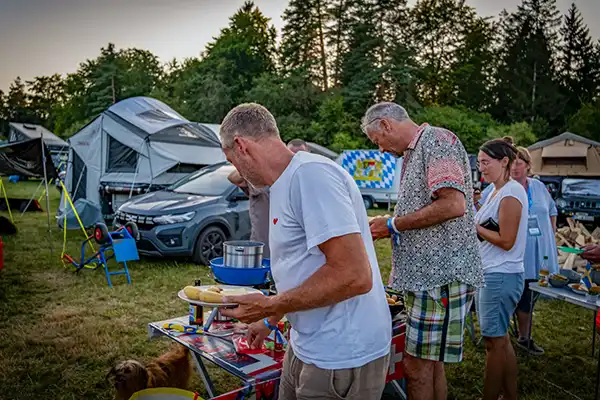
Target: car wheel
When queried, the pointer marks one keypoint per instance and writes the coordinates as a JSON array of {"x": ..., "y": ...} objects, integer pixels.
[
  {"x": 368, "y": 202},
  {"x": 209, "y": 245}
]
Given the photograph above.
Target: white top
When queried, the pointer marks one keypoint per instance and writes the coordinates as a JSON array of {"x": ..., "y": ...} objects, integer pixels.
[
  {"x": 494, "y": 258},
  {"x": 313, "y": 201}
]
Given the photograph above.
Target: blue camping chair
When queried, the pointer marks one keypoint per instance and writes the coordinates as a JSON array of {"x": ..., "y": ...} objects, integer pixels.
[{"x": 120, "y": 245}]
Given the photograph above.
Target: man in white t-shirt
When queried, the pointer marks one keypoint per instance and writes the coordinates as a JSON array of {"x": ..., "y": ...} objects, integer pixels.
[{"x": 323, "y": 262}]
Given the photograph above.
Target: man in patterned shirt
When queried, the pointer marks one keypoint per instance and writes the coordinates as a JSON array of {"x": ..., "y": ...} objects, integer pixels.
[{"x": 436, "y": 259}]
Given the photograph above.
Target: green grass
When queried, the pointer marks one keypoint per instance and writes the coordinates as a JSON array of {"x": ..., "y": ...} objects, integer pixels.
[{"x": 60, "y": 332}]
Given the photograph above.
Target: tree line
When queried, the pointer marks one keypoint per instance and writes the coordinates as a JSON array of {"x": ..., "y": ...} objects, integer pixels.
[{"x": 531, "y": 73}]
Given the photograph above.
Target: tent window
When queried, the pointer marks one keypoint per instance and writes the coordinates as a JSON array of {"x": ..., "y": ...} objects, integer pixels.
[
  {"x": 575, "y": 161},
  {"x": 120, "y": 157},
  {"x": 79, "y": 178},
  {"x": 185, "y": 168}
]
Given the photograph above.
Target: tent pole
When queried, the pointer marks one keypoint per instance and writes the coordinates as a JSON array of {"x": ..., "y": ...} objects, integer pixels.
[
  {"x": 47, "y": 198},
  {"x": 149, "y": 163}
]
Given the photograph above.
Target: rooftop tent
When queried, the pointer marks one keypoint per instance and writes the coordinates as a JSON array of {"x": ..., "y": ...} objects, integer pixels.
[
  {"x": 18, "y": 132},
  {"x": 57, "y": 147},
  {"x": 566, "y": 155},
  {"x": 136, "y": 145},
  {"x": 25, "y": 158}
]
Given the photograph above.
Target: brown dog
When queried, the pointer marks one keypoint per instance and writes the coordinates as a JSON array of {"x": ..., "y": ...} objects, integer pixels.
[{"x": 172, "y": 369}]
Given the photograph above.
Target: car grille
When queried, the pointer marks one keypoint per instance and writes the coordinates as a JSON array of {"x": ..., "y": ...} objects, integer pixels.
[
  {"x": 584, "y": 204},
  {"x": 143, "y": 222}
]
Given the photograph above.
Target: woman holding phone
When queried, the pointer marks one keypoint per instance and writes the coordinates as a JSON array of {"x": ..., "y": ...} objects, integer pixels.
[{"x": 502, "y": 231}]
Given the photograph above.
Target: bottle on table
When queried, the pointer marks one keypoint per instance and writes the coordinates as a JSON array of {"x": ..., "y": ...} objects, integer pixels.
[{"x": 544, "y": 275}]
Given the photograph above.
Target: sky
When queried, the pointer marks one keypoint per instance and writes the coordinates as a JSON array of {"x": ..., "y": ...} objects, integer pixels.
[{"x": 43, "y": 37}]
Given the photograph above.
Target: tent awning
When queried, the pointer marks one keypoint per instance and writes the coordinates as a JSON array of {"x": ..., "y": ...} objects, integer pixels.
[{"x": 565, "y": 152}]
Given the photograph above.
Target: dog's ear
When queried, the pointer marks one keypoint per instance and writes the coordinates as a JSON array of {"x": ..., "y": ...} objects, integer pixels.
[{"x": 112, "y": 373}]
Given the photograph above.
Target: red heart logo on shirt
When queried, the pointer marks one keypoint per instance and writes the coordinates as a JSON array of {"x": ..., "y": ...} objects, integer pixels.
[{"x": 275, "y": 221}]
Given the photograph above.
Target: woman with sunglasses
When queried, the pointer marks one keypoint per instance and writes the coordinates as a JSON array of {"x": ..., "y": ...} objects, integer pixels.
[{"x": 502, "y": 231}]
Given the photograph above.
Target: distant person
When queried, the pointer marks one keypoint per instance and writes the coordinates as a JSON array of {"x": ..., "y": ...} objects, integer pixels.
[
  {"x": 502, "y": 249},
  {"x": 296, "y": 145},
  {"x": 259, "y": 201}
]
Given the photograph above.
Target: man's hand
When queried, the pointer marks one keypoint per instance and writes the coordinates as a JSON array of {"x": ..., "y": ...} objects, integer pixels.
[
  {"x": 251, "y": 307},
  {"x": 379, "y": 228},
  {"x": 591, "y": 253},
  {"x": 257, "y": 332}
]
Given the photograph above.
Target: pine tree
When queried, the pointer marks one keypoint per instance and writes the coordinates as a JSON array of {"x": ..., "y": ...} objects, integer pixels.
[
  {"x": 303, "y": 45},
  {"x": 470, "y": 80},
  {"x": 526, "y": 81},
  {"x": 579, "y": 61},
  {"x": 438, "y": 33},
  {"x": 46, "y": 95},
  {"x": 337, "y": 35},
  {"x": 396, "y": 53},
  {"x": 361, "y": 66},
  {"x": 3, "y": 115},
  {"x": 17, "y": 103}
]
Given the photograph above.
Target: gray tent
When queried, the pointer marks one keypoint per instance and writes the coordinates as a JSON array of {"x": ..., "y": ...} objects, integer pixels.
[
  {"x": 57, "y": 147},
  {"x": 138, "y": 144}
]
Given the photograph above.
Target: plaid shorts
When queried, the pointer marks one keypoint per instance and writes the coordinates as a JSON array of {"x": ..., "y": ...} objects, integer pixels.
[{"x": 436, "y": 322}]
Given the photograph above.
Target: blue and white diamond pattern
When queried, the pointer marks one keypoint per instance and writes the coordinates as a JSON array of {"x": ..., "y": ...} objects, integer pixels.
[{"x": 371, "y": 169}]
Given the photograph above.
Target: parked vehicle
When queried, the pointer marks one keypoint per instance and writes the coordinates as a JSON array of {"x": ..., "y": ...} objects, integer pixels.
[
  {"x": 192, "y": 217},
  {"x": 579, "y": 199},
  {"x": 376, "y": 174}
]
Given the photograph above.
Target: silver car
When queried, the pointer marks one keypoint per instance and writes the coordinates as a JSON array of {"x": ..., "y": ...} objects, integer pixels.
[{"x": 192, "y": 218}]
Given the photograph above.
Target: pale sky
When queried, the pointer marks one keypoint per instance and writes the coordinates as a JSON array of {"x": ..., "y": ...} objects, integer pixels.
[{"x": 42, "y": 37}]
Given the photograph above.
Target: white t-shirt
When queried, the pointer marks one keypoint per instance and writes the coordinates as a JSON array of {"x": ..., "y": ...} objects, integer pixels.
[
  {"x": 494, "y": 258},
  {"x": 315, "y": 200}
]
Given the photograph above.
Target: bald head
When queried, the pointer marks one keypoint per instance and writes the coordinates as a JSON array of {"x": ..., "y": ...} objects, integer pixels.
[{"x": 297, "y": 145}]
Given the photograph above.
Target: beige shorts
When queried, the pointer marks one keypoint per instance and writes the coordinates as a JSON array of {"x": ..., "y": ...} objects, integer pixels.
[{"x": 300, "y": 381}]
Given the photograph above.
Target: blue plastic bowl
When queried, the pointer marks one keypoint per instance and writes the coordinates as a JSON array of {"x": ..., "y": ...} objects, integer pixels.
[{"x": 240, "y": 276}]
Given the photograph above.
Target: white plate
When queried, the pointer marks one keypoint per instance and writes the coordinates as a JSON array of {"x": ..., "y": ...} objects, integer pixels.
[
  {"x": 577, "y": 291},
  {"x": 227, "y": 291}
]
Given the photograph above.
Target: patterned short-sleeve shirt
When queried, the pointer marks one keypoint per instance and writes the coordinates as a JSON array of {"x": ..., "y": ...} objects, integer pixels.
[{"x": 441, "y": 254}]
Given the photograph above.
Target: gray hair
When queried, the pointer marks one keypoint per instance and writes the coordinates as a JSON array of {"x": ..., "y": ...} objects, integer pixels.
[
  {"x": 247, "y": 120},
  {"x": 384, "y": 110}
]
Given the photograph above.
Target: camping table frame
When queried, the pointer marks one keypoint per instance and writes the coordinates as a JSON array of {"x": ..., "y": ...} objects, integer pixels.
[
  {"x": 567, "y": 295},
  {"x": 266, "y": 367},
  {"x": 155, "y": 329}
]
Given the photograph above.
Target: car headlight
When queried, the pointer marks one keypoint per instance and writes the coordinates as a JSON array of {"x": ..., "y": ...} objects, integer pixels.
[
  {"x": 174, "y": 218},
  {"x": 561, "y": 203}
]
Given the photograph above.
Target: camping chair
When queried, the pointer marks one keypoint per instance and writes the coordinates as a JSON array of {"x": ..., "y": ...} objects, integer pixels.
[{"x": 119, "y": 244}]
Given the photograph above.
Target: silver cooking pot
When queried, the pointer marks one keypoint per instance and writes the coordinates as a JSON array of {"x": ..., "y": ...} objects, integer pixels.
[{"x": 243, "y": 254}]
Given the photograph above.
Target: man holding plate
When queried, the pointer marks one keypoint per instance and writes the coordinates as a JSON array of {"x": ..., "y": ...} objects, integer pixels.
[{"x": 323, "y": 262}]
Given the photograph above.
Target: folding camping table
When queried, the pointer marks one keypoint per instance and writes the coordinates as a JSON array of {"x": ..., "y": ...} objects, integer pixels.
[
  {"x": 256, "y": 368},
  {"x": 567, "y": 295}
]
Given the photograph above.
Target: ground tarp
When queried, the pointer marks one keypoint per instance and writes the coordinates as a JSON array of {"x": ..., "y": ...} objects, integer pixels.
[{"x": 25, "y": 159}]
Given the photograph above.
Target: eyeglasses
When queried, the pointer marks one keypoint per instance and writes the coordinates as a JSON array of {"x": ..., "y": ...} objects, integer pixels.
[{"x": 364, "y": 126}]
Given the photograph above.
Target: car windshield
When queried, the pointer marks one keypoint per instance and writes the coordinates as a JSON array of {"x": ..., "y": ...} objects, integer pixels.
[
  {"x": 209, "y": 181},
  {"x": 581, "y": 187}
]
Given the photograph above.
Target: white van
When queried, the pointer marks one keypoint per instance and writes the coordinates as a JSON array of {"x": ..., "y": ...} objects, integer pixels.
[{"x": 377, "y": 175}]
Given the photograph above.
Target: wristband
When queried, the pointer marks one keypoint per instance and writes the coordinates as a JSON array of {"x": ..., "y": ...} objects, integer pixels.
[
  {"x": 391, "y": 226},
  {"x": 268, "y": 325}
]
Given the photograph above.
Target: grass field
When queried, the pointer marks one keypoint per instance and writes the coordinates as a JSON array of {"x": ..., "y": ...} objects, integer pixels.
[{"x": 60, "y": 332}]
